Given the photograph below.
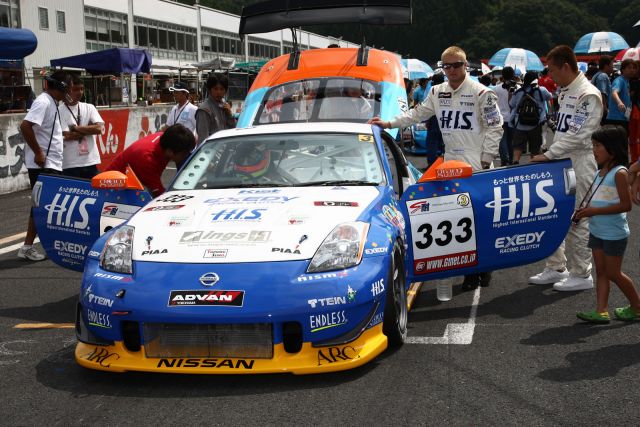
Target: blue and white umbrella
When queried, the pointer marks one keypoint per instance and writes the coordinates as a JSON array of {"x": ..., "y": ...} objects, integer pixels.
[
  {"x": 583, "y": 67},
  {"x": 601, "y": 41},
  {"x": 519, "y": 59},
  {"x": 415, "y": 69}
]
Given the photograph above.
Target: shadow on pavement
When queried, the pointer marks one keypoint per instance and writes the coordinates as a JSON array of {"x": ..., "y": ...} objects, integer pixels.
[
  {"x": 523, "y": 302},
  {"x": 59, "y": 371},
  {"x": 63, "y": 311},
  {"x": 596, "y": 364},
  {"x": 568, "y": 334}
]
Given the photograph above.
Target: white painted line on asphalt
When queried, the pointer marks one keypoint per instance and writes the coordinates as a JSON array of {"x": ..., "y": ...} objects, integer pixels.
[
  {"x": 454, "y": 333},
  {"x": 14, "y": 247},
  {"x": 12, "y": 238}
]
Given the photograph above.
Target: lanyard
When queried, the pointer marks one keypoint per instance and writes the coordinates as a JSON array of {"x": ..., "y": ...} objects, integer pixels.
[
  {"x": 77, "y": 120},
  {"x": 53, "y": 126},
  {"x": 176, "y": 115},
  {"x": 589, "y": 195}
]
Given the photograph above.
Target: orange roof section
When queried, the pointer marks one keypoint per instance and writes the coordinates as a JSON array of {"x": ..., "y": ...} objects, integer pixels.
[{"x": 331, "y": 62}]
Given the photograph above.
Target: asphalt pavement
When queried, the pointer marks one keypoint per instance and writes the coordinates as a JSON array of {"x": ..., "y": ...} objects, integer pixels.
[{"x": 509, "y": 354}]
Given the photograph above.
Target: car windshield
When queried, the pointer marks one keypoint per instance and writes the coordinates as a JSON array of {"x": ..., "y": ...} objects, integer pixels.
[
  {"x": 289, "y": 159},
  {"x": 316, "y": 100}
]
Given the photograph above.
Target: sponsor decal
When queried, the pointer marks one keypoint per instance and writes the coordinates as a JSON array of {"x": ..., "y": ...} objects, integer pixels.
[
  {"x": 365, "y": 138},
  {"x": 375, "y": 251},
  {"x": 319, "y": 322},
  {"x": 519, "y": 242},
  {"x": 154, "y": 252},
  {"x": 250, "y": 200},
  {"x": 69, "y": 248},
  {"x": 102, "y": 357},
  {"x": 420, "y": 206},
  {"x": 378, "y": 318},
  {"x": 456, "y": 120},
  {"x": 467, "y": 104},
  {"x": 175, "y": 198},
  {"x": 298, "y": 220},
  {"x": 238, "y": 215},
  {"x": 117, "y": 210},
  {"x": 463, "y": 200},
  {"x": 96, "y": 299},
  {"x": 337, "y": 354},
  {"x": 164, "y": 208},
  {"x": 98, "y": 319},
  {"x": 445, "y": 102},
  {"x": 209, "y": 279},
  {"x": 513, "y": 207},
  {"x": 260, "y": 191},
  {"x": 343, "y": 204},
  {"x": 444, "y": 95},
  {"x": 215, "y": 253},
  {"x": 377, "y": 287},
  {"x": 67, "y": 214},
  {"x": 178, "y": 221},
  {"x": 446, "y": 262},
  {"x": 206, "y": 363},
  {"x": 212, "y": 237},
  {"x": 321, "y": 276},
  {"x": 94, "y": 254},
  {"x": 402, "y": 103},
  {"x": 351, "y": 294},
  {"x": 392, "y": 214},
  {"x": 112, "y": 277},
  {"x": 286, "y": 250},
  {"x": 206, "y": 298}
]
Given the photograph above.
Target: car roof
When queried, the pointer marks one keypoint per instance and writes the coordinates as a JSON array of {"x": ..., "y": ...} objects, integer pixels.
[
  {"x": 331, "y": 62},
  {"x": 307, "y": 127}
]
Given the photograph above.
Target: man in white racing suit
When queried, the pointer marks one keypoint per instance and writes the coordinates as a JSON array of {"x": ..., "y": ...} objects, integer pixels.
[
  {"x": 579, "y": 116},
  {"x": 469, "y": 119}
]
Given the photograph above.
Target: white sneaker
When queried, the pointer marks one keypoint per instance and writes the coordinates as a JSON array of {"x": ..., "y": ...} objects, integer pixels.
[
  {"x": 30, "y": 253},
  {"x": 548, "y": 276},
  {"x": 574, "y": 283}
]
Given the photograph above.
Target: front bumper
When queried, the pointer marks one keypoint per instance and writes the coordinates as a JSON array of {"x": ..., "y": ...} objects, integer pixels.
[{"x": 309, "y": 360}]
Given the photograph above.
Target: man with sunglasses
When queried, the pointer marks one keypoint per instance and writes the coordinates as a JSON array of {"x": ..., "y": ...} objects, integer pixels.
[{"x": 469, "y": 119}]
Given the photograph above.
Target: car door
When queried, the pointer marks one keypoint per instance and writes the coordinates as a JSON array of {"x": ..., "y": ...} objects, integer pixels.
[
  {"x": 493, "y": 219},
  {"x": 70, "y": 215}
]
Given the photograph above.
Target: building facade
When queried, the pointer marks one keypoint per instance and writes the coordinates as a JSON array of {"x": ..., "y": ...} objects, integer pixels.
[{"x": 176, "y": 35}]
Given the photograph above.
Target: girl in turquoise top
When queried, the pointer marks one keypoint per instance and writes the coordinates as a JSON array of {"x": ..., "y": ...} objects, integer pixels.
[{"x": 606, "y": 205}]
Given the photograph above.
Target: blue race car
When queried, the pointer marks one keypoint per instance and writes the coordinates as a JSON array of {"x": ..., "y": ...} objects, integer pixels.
[{"x": 284, "y": 248}]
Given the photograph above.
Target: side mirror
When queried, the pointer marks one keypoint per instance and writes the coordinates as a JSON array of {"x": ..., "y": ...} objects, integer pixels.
[
  {"x": 117, "y": 180},
  {"x": 443, "y": 171}
]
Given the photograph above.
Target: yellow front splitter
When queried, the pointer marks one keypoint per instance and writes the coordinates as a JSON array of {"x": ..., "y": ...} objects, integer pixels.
[{"x": 309, "y": 360}]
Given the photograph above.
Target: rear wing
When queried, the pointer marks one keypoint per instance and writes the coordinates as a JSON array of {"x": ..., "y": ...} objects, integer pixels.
[{"x": 274, "y": 15}]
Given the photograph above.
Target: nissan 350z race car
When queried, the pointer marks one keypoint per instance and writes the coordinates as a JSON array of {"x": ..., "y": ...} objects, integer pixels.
[{"x": 284, "y": 248}]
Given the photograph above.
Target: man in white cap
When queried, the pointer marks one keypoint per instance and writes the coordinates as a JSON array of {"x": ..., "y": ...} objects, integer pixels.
[{"x": 184, "y": 112}]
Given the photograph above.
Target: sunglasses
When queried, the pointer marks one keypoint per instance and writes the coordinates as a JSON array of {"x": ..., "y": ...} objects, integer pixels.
[{"x": 449, "y": 65}]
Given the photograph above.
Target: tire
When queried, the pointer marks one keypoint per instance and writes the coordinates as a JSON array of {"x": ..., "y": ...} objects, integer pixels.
[{"x": 395, "y": 310}]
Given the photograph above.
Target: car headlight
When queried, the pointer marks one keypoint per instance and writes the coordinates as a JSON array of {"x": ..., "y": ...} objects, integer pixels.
[
  {"x": 116, "y": 255},
  {"x": 341, "y": 249}
]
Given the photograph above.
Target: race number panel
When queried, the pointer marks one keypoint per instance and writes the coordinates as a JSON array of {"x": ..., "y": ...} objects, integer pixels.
[{"x": 443, "y": 233}]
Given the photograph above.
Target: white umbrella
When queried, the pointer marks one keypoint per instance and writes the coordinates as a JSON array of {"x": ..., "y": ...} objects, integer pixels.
[{"x": 415, "y": 69}]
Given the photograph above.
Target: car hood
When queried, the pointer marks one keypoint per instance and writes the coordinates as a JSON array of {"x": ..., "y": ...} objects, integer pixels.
[{"x": 244, "y": 225}]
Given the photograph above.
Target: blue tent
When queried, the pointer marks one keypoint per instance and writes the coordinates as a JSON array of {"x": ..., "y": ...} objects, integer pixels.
[
  {"x": 109, "y": 61},
  {"x": 16, "y": 43}
]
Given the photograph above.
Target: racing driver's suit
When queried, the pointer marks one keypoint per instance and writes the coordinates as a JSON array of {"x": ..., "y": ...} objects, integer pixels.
[
  {"x": 469, "y": 119},
  {"x": 579, "y": 116}
]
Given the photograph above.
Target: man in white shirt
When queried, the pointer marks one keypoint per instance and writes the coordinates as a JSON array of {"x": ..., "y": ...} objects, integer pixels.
[
  {"x": 42, "y": 131},
  {"x": 80, "y": 123},
  {"x": 183, "y": 112},
  {"x": 504, "y": 91}
]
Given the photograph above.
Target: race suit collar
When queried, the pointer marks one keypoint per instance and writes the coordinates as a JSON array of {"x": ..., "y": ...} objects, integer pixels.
[{"x": 577, "y": 82}]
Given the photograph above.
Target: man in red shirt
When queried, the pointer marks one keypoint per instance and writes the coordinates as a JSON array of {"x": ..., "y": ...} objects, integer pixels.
[{"x": 149, "y": 156}]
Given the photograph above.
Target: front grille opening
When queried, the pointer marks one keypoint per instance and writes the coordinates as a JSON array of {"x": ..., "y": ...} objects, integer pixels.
[
  {"x": 292, "y": 337},
  {"x": 131, "y": 335},
  {"x": 236, "y": 340}
]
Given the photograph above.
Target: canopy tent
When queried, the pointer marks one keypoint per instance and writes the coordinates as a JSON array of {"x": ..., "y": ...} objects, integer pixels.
[
  {"x": 16, "y": 43},
  {"x": 214, "y": 64},
  {"x": 116, "y": 60}
]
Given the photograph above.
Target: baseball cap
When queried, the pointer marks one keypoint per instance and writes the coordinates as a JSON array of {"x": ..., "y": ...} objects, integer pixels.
[{"x": 179, "y": 86}]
